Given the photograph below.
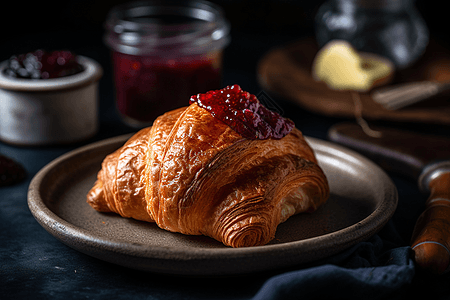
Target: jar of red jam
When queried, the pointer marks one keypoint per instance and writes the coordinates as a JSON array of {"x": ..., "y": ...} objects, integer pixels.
[{"x": 163, "y": 52}]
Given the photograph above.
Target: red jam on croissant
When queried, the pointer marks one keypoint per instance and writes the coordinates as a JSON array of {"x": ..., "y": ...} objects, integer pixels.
[{"x": 233, "y": 179}]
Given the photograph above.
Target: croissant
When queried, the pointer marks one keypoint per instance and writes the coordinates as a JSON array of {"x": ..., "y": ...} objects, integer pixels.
[{"x": 193, "y": 174}]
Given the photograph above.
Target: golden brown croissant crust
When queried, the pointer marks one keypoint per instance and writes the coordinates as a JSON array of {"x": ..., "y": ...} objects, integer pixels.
[{"x": 191, "y": 173}]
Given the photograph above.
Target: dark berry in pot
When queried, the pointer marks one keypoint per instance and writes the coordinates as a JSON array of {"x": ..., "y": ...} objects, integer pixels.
[{"x": 43, "y": 65}]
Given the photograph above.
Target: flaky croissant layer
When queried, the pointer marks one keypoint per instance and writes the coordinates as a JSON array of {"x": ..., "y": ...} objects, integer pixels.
[{"x": 192, "y": 174}]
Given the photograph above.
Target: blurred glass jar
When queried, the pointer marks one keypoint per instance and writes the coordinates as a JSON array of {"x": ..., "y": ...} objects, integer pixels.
[
  {"x": 392, "y": 28},
  {"x": 163, "y": 52}
]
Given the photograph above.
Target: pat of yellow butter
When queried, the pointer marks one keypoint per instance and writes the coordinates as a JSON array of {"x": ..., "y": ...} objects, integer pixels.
[{"x": 341, "y": 67}]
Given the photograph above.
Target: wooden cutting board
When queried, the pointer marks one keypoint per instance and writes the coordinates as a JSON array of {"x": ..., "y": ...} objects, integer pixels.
[
  {"x": 426, "y": 159},
  {"x": 286, "y": 71}
]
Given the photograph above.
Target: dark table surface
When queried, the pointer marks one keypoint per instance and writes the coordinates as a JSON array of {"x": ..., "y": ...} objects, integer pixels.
[{"x": 33, "y": 264}]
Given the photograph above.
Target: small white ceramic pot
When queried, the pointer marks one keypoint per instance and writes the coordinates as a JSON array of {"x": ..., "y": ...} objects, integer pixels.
[{"x": 50, "y": 111}]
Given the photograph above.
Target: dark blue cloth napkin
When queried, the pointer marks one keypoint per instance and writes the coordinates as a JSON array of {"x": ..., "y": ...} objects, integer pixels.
[{"x": 366, "y": 271}]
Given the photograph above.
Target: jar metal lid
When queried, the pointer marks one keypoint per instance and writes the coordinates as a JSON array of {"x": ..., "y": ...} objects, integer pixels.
[{"x": 170, "y": 26}]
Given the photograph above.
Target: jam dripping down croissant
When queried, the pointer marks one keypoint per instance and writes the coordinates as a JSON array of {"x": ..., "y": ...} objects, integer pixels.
[{"x": 193, "y": 174}]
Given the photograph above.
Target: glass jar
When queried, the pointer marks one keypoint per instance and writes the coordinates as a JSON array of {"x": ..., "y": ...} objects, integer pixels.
[
  {"x": 163, "y": 52},
  {"x": 391, "y": 28}
]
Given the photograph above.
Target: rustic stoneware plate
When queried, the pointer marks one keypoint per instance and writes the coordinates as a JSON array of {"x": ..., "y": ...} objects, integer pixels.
[{"x": 363, "y": 199}]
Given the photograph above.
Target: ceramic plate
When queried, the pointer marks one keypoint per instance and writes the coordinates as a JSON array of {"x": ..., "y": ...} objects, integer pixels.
[{"x": 363, "y": 199}]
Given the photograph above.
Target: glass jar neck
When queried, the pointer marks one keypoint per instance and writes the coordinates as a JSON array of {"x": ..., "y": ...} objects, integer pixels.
[{"x": 146, "y": 27}]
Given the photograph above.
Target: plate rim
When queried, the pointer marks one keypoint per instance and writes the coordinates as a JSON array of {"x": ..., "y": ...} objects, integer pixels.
[{"x": 65, "y": 231}]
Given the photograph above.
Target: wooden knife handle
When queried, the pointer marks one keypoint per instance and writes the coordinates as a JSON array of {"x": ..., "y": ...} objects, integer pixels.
[{"x": 431, "y": 236}]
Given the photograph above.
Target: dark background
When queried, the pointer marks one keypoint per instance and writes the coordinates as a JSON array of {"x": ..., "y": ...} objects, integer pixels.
[
  {"x": 256, "y": 27},
  {"x": 80, "y": 23}
]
